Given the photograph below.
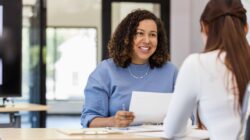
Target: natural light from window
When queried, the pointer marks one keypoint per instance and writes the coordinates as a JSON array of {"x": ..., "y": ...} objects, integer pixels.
[{"x": 71, "y": 57}]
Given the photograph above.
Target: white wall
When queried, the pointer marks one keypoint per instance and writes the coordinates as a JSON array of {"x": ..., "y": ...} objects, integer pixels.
[
  {"x": 121, "y": 9},
  {"x": 185, "y": 28},
  {"x": 246, "y": 4}
]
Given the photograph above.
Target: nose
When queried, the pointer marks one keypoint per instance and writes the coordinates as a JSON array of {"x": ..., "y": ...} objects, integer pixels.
[{"x": 146, "y": 39}]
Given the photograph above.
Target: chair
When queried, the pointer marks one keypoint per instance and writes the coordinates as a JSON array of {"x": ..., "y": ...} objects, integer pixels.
[
  {"x": 245, "y": 117},
  {"x": 247, "y": 132}
]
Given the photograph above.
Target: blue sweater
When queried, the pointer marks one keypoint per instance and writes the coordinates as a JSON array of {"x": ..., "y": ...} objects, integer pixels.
[{"x": 110, "y": 86}]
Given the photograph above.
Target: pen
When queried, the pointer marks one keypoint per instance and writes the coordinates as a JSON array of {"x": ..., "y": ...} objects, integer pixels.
[
  {"x": 117, "y": 128},
  {"x": 123, "y": 128},
  {"x": 123, "y": 107}
]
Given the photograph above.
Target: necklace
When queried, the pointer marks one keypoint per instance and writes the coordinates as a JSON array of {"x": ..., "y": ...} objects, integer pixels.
[{"x": 136, "y": 76}]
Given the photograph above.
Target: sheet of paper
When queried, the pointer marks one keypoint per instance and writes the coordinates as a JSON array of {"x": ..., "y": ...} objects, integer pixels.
[
  {"x": 141, "y": 128},
  {"x": 149, "y": 107},
  {"x": 112, "y": 130},
  {"x": 87, "y": 131},
  {"x": 194, "y": 134}
]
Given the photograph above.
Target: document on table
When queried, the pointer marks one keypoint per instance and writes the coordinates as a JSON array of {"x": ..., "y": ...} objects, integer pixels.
[
  {"x": 140, "y": 128},
  {"x": 112, "y": 130},
  {"x": 149, "y": 107},
  {"x": 87, "y": 131}
]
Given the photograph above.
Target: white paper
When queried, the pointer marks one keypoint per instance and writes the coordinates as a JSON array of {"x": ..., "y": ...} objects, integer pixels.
[
  {"x": 194, "y": 134},
  {"x": 111, "y": 130},
  {"x": 87, "y": 131},
  {"x": 140, "y": 128},
  {"x": 1, "y": 20},
  {"x": 149, "y": 107}
]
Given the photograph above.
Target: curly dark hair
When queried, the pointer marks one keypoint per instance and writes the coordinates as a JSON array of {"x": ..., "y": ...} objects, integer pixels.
[{"x": 120, "y": 45}]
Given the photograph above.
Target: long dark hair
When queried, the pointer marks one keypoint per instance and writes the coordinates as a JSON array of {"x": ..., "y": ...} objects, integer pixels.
[
  {"x": 226, "y": 23},
  {"x": 121, "y": 43}
]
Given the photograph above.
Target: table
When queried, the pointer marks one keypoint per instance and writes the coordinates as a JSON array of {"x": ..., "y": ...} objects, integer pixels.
[
  {"x": 23, "y": 107},
  {"x": 54, "y": 134},
  {"x": 13, "y": 110}
]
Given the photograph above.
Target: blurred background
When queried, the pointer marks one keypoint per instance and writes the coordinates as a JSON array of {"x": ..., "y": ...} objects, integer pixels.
[{"x": 64, "y": 40}]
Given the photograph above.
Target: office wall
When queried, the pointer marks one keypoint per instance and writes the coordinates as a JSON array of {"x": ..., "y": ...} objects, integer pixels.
[
  {"x": 246, "y": 4},
  {"x": 122, "y": 9},
  {"x": 185, "y": 28}
]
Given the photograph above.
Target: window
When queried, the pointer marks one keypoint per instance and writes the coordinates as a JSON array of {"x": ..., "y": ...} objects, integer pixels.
[{"x": 71, "y": 57}]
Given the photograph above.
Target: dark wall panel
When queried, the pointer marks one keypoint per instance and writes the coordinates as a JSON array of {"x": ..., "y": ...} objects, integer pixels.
[{"x": 10, "y": 48}]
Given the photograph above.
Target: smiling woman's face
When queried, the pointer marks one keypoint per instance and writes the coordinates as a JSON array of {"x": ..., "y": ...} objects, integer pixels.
[{"x": 145, "y": 41}]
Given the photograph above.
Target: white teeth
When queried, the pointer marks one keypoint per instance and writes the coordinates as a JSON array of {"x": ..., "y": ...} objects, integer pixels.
[{"x": 144, "y": 48}]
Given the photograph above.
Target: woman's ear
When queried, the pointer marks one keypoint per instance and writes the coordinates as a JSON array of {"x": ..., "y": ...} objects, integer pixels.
[
  {"x": 204, "y": 28},
  {"x": 246, "y": 28},
  {"x": 204, "y": 32}
]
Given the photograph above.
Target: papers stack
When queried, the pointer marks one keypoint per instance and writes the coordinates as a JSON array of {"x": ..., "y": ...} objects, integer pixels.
[
  {"x": 87, "y": 131},
  {"x": 112, "y": 130},
  {"x": 138, "y": 129}
]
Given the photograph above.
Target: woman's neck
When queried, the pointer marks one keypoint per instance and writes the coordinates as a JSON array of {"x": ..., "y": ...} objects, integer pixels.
[{"x": 139, "y": 62}]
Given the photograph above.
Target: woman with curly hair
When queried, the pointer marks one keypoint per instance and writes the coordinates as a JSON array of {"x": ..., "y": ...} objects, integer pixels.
[
  {"x": 139, "y": 61},
  {"x": 219, "y": 75}
]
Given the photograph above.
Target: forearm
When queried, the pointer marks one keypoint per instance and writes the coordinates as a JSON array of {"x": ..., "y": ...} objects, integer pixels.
[{"x": 102, "y": 122}]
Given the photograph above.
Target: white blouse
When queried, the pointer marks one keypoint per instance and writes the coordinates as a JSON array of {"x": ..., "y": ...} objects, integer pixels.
[{"x": 204, "y": 83}]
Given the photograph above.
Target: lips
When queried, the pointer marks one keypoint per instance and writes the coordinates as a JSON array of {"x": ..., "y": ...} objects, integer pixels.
[{"x": 144, "y": 49}]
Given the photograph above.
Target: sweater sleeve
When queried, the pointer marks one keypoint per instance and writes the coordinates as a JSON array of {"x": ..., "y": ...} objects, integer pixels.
[
  {"x": 96, "y": 98},
  {"x": 184, "y": 99}
]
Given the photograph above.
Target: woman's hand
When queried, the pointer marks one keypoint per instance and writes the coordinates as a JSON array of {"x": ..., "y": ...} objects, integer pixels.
[{"x": 123, "y": 118}]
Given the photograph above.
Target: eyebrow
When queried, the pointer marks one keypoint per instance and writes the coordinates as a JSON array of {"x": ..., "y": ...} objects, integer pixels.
[{"x": 144, "y": 30}]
